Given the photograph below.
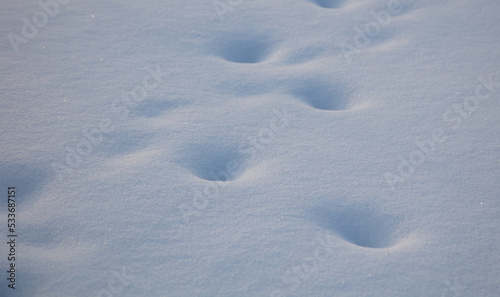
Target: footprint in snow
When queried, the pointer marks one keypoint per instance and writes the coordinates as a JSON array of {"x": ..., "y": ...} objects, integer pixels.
[
  {"x": 28, "y": 179},
  {"x": 213, "y": 162},
  {"x": 244, "y": 48},
  {"x": 361, "y": 226},
  {"x": 320, "y": 94},
  {"x": 328, "y": 3}
]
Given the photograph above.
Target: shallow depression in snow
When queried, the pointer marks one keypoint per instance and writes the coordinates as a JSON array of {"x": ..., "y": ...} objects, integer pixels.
[
  {"x": 244, "y": 48},
  {"x": 320, "y": 94},
  {"x": 328, "y": 3},
  {"x": 360, "y": 225},
  {"x": 27, "y": 178},
  {"x": 214, "y": 162}
]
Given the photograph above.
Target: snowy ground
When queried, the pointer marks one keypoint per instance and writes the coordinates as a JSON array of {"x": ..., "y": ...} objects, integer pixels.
[{"x": 251, "y": 147}]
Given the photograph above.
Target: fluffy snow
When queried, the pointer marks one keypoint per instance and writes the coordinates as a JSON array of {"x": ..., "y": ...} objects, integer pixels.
[{"x": 251, "y": 148}]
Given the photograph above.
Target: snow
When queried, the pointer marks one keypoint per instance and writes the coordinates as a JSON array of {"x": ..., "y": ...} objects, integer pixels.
[{"x": 251, "y": 148}]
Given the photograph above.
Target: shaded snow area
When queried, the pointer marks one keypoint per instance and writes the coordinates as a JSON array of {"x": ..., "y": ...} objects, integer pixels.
[{"x": 250, "y": 148}]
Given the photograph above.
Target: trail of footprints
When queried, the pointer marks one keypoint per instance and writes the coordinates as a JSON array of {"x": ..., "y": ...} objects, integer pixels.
[
  {"x": 355, "y": 224},
  {"x": 316, "y": 93}
]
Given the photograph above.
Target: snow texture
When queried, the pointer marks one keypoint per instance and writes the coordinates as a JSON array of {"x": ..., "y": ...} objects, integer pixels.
[{"x": 251, "y": 148}]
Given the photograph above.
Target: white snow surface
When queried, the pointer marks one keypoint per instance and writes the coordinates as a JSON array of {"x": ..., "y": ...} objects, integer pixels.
[{"x": 251, "y": 147}]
